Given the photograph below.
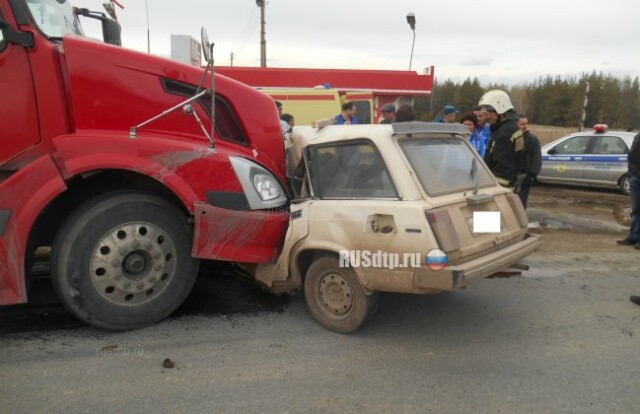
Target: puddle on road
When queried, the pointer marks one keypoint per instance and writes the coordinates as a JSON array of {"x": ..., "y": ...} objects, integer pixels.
[
  {"x": 568, "y": 208},
  {"x": 580, "y": 217}
]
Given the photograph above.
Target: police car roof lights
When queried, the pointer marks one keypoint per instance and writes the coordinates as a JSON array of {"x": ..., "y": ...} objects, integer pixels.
[{"x": 600, "y": 128}]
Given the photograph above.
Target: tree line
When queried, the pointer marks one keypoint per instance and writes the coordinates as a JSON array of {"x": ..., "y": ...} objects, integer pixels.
[{"x": 556, "y": 101}]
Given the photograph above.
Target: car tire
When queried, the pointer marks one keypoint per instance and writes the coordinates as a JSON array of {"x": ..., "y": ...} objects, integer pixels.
[
  {"x": 623, "y": 185},
  {"x": 123, "y": 260},
  {"x": 335, "y": 297}
]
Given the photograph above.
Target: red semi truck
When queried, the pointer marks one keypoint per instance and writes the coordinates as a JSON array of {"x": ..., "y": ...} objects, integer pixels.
[{"x": 127, "y": 200}]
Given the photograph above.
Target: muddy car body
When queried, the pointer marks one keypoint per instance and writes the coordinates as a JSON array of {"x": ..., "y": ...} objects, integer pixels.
[{"x": 400, "y": 190}]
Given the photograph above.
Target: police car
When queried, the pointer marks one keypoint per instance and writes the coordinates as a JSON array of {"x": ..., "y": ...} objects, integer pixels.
[{"x": 595, "y": 158}]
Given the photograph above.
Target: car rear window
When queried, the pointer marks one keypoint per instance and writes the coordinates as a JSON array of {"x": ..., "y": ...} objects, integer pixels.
[{"x": 446, "y": 165}]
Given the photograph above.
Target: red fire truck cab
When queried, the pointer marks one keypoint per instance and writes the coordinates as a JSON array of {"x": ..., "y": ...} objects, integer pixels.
[{"x": 128, "y": 193}]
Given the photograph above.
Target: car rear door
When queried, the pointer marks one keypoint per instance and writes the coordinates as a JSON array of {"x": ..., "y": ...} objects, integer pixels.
[
  {"x": 607, "y": 162},
  {"x": 357, "y": 207},
  {"x": 463, "y": 196}
]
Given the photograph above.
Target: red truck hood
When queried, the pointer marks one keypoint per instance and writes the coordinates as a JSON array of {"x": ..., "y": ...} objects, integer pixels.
[{"x": 113, "y": 88}]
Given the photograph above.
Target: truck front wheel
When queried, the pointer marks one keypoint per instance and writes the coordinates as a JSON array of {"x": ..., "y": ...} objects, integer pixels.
[
  {"x": 123, "y": 260},
  {"x": 335, "y": 297}
]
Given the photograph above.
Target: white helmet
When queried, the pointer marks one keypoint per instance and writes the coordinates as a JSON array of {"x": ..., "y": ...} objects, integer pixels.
[{"x": 498, "y": 100}]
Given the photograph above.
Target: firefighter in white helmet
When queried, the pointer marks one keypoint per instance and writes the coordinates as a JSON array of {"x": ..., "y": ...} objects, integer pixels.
[{"x": 505, "y": 153}]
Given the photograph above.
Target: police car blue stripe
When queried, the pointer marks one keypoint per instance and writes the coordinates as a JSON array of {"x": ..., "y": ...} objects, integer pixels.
[{"x": 587, "y": 158}]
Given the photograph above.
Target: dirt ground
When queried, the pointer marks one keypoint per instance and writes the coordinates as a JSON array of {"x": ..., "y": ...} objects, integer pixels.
[{"x": 574, "y": 219}]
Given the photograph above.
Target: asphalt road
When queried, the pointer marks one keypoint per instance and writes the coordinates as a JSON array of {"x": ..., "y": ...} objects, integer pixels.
[{"x": 562, "y": 338}]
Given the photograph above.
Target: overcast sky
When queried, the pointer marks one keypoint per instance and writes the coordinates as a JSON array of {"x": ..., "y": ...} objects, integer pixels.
[{"x": 510, "y": 41}]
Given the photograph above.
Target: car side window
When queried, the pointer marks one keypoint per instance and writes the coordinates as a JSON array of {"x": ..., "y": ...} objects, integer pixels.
[
  {"x": 350, "y": 170},
  {"x": 575, "y": 145},
  {"x": 610, "y": 145}
]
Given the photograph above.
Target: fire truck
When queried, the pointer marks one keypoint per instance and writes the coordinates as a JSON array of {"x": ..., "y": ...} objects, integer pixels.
[
  {"x": 369, "y": 89},
  {"x": 131, "y": 167}
]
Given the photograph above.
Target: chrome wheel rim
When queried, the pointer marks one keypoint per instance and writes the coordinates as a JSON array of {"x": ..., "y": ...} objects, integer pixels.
[{"x": 133, "y": 264}]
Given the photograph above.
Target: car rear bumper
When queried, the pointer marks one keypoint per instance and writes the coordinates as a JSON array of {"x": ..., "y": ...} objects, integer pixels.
[{"x": 456, "y": 277}]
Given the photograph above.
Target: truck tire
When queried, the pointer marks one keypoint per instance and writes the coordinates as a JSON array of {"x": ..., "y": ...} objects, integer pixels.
[
  {"x": 335, "y": 297},
  {"x": 123, "y": 260}
]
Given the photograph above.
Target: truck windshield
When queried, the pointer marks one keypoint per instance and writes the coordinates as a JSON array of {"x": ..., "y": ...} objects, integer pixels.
[
  {"x": 55, "y": 18},
  {"x": 446, "y": 165}
]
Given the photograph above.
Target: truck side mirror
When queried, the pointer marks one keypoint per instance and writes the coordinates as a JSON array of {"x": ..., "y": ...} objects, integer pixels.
[
  {"x": 110, "y": 28},
  {"x": 111, "y": 31},
  {"x": 19, "y": 38}
]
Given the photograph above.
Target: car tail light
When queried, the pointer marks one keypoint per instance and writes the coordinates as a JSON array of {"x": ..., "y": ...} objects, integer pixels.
[
  {"x": 442, "y": 227},
  {"x": 518, "y": 209}
]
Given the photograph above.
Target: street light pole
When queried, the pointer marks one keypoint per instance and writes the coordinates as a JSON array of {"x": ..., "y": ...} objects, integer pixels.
[
  {"x": 263, "y": 41},
  {"x": 411, "y": 19},
  {"x": 146, "y": 5}
]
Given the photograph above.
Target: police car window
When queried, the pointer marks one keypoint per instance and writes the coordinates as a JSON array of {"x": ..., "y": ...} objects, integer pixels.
[
  {"x": 575, "y": 145},
  {"x": 354, "y": 170},
  {"x": 609, "y": 145}
]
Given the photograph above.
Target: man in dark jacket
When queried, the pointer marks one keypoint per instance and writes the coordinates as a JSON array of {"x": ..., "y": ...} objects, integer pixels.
[
  {"x": 633, "y": 165},
  {"x": 633, "y": 162},
  {"x": 505, "y": 149},
  {"x": 532, "y": 161}
]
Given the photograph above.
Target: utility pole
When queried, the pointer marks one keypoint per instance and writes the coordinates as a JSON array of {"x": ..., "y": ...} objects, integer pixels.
[
  {"x": 263, "y": 41},
  {"x": 146, "y": 5},
  {"x": 231, "y": 59},
  {"x": 584, "y": 108}
]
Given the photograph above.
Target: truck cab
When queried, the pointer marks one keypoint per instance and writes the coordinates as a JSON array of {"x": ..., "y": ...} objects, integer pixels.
[{"x": 128, "y": 167}]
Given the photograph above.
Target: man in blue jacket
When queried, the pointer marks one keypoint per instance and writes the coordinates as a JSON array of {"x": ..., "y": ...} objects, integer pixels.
[{"x": 348, "y": 115}]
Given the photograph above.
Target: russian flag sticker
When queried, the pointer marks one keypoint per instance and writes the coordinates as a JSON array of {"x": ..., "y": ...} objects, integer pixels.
[{"x": 436, "y": 259}]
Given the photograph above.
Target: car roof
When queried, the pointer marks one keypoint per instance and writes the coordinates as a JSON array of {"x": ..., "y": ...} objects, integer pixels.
[
  {"x": 626, "y": 136},
  {"x": 378, "y": 133}
]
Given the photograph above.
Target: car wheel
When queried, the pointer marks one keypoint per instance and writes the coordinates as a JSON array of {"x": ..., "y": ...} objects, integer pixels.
[
  {"x": 624, "y": 185},
  {"x": 123, "y": 261},
  {"x": 335, "y": 297}
]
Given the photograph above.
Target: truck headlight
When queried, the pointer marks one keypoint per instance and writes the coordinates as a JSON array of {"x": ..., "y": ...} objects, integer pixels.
[
  {"x": 260, "y": 187},
  {"x": 266, "y": 186}
]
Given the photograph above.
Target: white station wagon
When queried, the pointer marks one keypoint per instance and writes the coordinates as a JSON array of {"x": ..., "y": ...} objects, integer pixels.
[{"x": 391, "y": 208}]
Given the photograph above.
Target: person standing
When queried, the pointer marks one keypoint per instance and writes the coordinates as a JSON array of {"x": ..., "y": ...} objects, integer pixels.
[
  {"x": 477, "y": 140},
  {"x": 483, "y": 128},
  {"x": 284, "y": 125},
  {"x": 532, "y": 161},
  {"x": 388, "y": 114},
  {"x": 290, "y": 120},
  {"x": 505, "y": 148},
  {"x": 633, "y": 165},
  {"x": 448, "y": 115},
  {"x": 405, "y": 113},
  {"x": 633, "y": 168},
  {"x": 348, "y": 115}
]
